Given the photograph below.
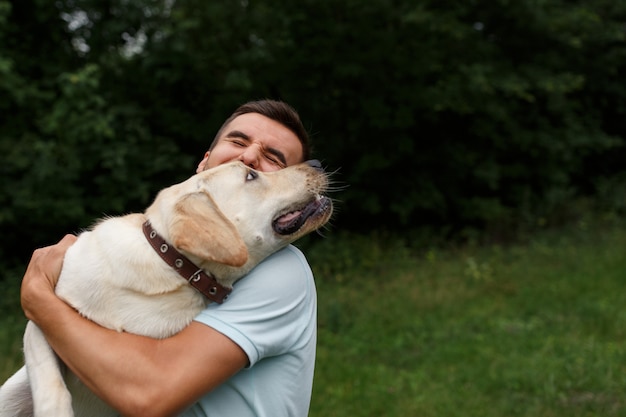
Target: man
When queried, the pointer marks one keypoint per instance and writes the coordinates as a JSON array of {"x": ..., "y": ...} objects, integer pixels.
[{"x": 251, "y": 356}]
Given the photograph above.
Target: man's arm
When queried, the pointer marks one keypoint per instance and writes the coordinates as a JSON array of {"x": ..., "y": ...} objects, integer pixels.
[{"x": 136, "y": 375}]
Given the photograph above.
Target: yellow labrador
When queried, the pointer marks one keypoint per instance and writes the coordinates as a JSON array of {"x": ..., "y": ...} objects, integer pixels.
[{"x": 211, "y": 229}]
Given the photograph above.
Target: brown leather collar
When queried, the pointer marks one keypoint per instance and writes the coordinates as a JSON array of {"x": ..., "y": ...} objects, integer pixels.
[{"x": 200, "y": 280}]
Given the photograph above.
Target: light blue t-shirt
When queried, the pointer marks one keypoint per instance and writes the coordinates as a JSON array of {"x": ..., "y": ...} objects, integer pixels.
[{"x": 272, "y": 315}]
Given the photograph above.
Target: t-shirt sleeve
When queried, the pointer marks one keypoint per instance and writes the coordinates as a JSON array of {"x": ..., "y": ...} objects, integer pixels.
[{"x": 270, "y": 308}]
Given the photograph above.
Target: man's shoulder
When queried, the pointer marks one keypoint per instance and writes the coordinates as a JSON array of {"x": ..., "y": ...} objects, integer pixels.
[
  {"x": 282, "y": 274},
  {"x": 289, "y": 256}
]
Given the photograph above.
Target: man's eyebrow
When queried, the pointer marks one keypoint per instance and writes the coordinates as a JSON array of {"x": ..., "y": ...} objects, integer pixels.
[{"x": 239, "y": 134}]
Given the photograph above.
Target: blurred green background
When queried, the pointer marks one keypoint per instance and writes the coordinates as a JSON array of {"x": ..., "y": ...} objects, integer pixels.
[
  {"x": 475, "y": 265},
  {"x": 465, "y": 120}
]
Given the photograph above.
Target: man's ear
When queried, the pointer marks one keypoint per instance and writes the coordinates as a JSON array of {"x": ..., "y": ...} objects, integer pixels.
[
  {"x": 202, "y": 165},
  {"x": 200, "y": 228}
]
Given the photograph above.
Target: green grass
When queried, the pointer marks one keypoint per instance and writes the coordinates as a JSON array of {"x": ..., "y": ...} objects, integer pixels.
[
  {"x": 534, "y": 329},
  {"x": 531, "y": 330}
]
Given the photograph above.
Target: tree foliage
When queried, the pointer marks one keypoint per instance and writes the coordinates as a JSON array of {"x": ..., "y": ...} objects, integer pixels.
[{"x": 446, "y": 113}]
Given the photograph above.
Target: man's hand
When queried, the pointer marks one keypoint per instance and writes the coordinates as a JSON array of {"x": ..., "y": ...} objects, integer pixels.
[{"x": 42, "y": 274}]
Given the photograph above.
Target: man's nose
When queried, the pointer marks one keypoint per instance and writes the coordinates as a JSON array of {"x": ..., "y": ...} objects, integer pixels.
[{"x": 250, "y": 156}]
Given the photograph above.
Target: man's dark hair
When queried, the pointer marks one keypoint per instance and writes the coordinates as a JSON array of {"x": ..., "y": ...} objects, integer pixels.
[{"x": 278, "y": 111}]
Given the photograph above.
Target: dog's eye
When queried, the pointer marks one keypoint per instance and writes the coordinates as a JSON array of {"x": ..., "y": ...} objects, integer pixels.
[{"x": 252, "y": 175}]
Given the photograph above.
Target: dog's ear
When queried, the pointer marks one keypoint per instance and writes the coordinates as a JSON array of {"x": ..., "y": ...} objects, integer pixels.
[{"x": 200, "y": 228}]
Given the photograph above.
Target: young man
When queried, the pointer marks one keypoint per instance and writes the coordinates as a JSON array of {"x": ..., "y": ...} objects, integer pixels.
[{"x": 251, "y": 356}]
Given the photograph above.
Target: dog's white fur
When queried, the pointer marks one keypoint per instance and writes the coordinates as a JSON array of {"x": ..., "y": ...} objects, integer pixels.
[{"x": 221, "y": 219}]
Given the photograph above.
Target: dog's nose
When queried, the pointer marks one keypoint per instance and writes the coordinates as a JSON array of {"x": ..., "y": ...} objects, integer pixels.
[{"x": 314, "y": 163}]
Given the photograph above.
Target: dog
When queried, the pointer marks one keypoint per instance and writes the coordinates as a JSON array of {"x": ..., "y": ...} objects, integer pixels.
[{"x": 216, "y": 226}]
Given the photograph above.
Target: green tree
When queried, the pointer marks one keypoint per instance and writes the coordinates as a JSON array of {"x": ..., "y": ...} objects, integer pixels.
[
  {"x": 73, "y": 149},
  {"x": 451, "y": 114}
]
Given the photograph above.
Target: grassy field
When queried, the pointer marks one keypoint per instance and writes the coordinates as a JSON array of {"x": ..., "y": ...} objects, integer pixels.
[
  {"x": 530, "y": 330},
  {"x": 534, "y": 329}
]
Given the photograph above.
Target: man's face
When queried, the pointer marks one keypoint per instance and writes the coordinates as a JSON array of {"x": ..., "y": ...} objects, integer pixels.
[{"x": 257, "y": 141}]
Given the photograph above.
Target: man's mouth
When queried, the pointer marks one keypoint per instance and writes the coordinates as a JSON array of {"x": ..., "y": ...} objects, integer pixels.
[{"x": 293, "y": 221}]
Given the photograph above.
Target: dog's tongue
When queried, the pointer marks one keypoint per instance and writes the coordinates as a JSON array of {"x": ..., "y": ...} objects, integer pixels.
[
  {"x": 284, "y": 220},
  {"x": 291, "y": 222}
]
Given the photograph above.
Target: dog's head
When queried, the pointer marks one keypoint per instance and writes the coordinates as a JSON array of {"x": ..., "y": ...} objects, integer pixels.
[{"x": 235, "y": 216}]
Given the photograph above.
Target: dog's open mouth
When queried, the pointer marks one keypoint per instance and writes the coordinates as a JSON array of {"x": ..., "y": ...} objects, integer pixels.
[{"x": 293, "y": 221}]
